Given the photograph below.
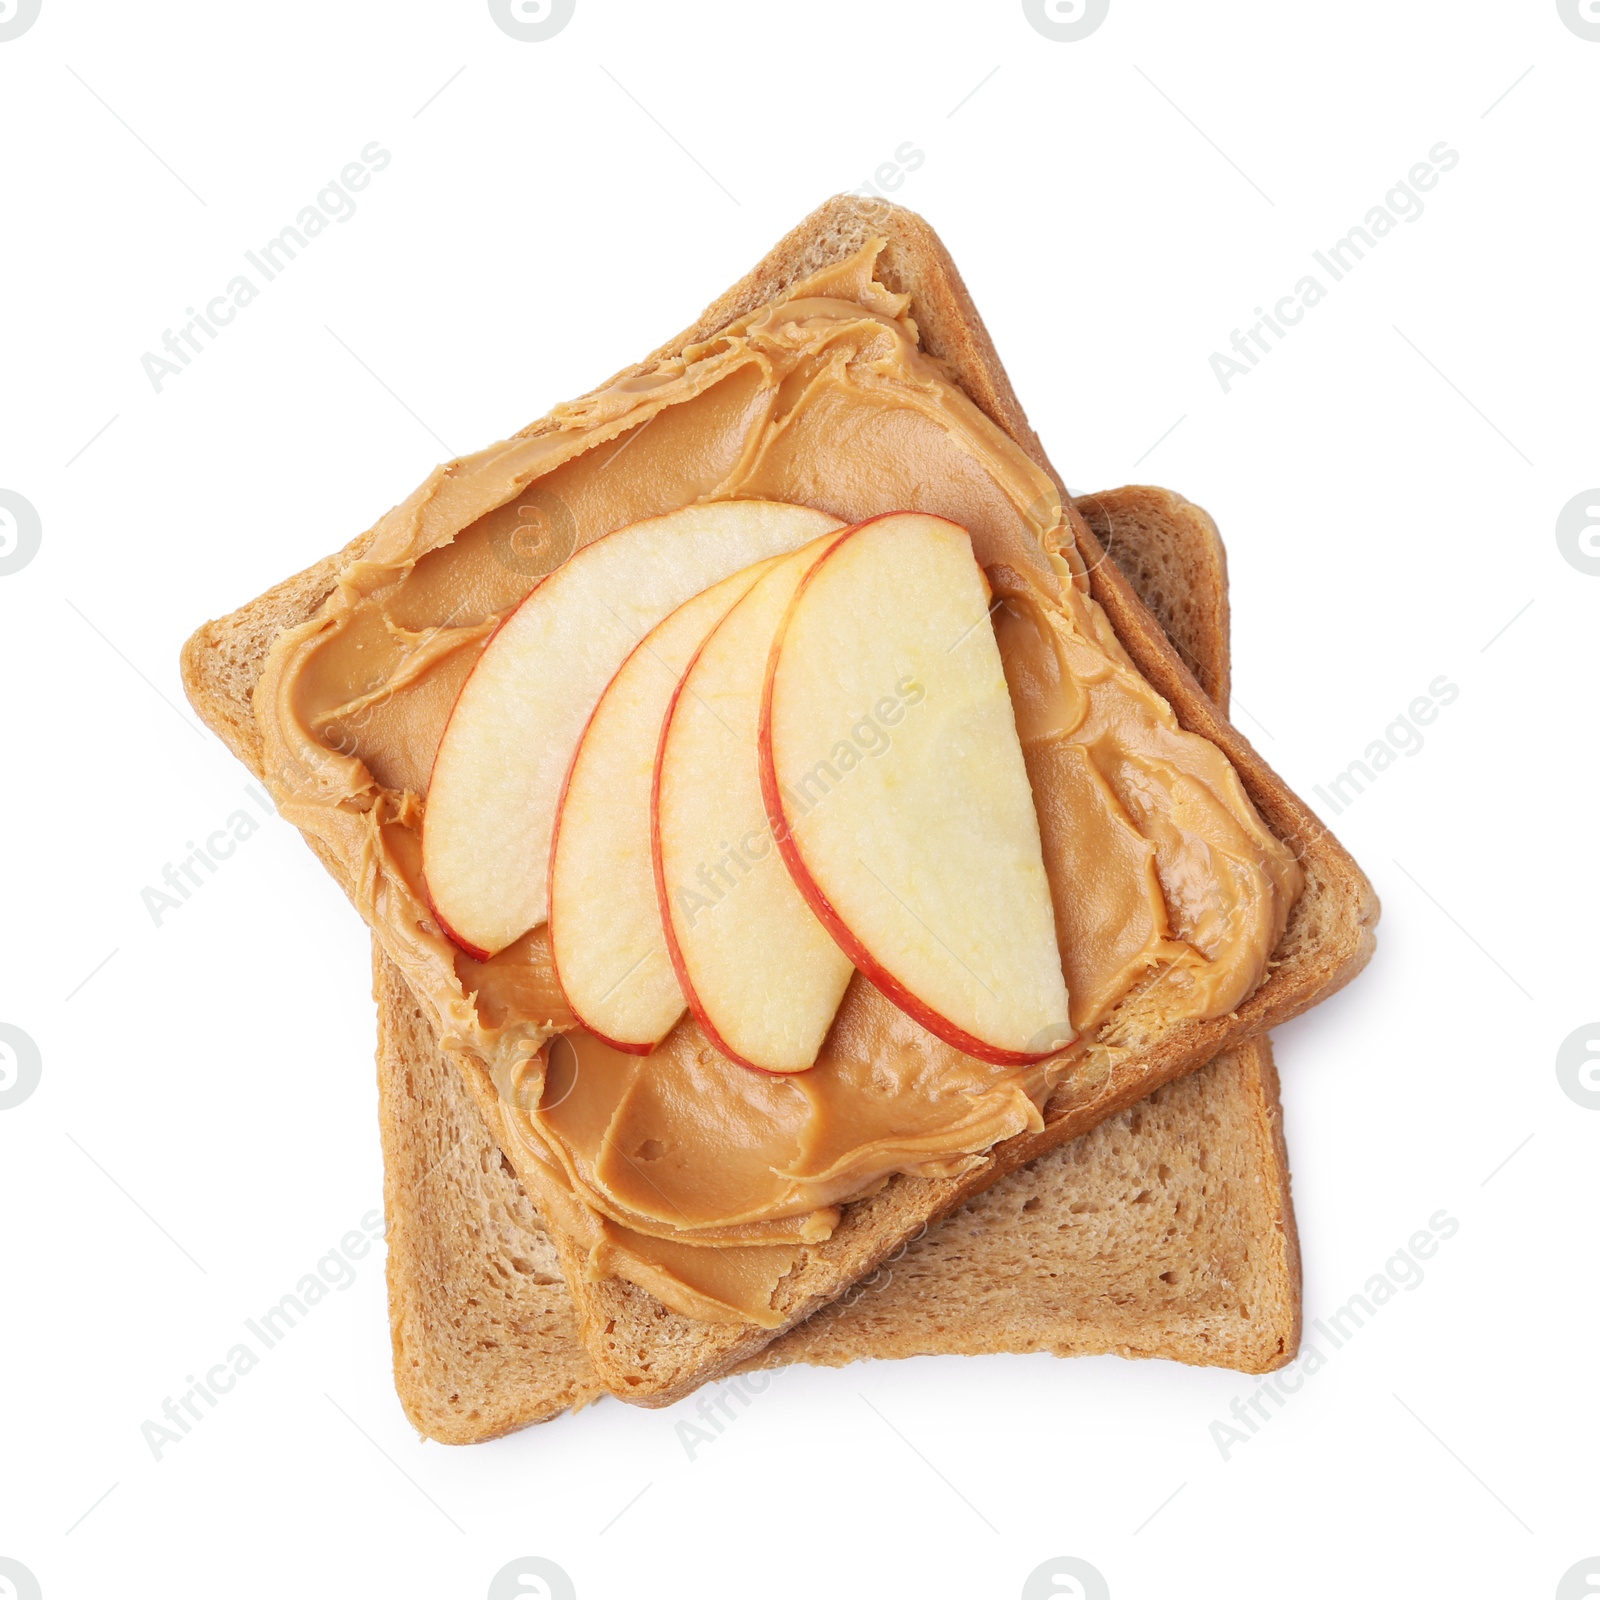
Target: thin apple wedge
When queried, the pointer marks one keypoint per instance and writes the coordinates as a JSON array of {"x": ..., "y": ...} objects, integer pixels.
[
  {"x": 894, "y": 781},
  {"x": 506, "y": 749},
  {"x": 760, "y": 973},
  {"x": 606, "y": 940}
]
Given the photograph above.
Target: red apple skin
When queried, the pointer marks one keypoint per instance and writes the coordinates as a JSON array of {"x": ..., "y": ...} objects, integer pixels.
[
  {"x": 674, "y": 949},
  {"x": 822, "y": 908},
  {"x": 449, "y": 932},
  {"x": 627, "y": 1048}
]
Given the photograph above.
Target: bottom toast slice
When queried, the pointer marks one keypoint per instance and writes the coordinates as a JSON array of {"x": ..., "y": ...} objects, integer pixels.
[{"x": 1166, "y": 1231}]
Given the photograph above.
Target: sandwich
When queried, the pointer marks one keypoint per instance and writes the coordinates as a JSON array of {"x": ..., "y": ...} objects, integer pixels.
[{"x": 1007, "y": 869}]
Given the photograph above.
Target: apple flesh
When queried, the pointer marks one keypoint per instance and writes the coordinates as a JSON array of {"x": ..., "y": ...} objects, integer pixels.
[
  {"x": 506, "y": 749},
  {"x": 894, "y": 782},
  {"x": 760, "y": 973},
  {"x": 606, "y": 940}
]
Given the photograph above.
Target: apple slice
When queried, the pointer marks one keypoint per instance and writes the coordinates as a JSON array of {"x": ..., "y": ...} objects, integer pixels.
[
  {"x": 506, "y": 749},
  {"x": 760, "y": 973},
  {"x": 894, "y": 781},
  {"x": 606, "y": 940}
]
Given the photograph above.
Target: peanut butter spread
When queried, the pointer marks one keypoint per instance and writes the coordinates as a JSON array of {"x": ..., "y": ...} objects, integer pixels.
[{"x": 697, "y": 1179}]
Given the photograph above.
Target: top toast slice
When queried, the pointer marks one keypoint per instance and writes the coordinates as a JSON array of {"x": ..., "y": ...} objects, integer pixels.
[{"x": 641, "y": 1349}]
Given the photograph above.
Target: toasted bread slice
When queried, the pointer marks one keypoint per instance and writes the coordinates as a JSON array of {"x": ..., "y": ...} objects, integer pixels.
[
  {"x": 1167, "y": 1231},
  {"x": 643, "y": 1350}
]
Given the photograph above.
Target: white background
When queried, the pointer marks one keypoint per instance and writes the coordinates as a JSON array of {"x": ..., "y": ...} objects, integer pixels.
[{"x": 1388, "y": 481}]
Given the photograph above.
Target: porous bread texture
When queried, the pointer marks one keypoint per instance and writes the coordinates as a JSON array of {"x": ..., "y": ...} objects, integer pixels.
[
  {"x": 1169, "y": 550},
  {"x": 654, "y": 1356},
  {"x": 484, "y": 1336}
]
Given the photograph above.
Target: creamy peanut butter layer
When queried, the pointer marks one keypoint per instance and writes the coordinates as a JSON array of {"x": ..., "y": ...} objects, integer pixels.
[{"x": 698, "y": 1179}]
